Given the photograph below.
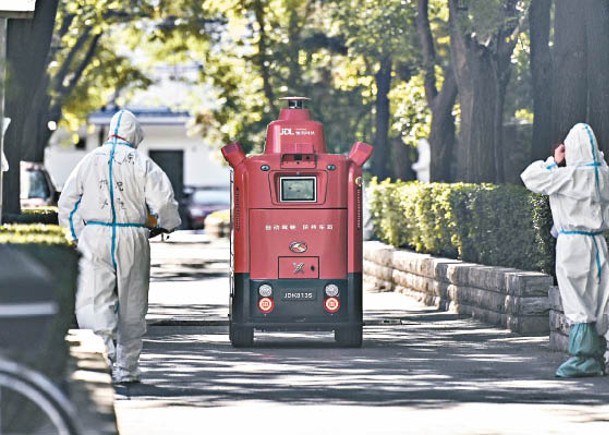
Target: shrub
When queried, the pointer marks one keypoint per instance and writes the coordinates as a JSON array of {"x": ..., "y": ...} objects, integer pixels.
[
  {"x": 42, "y": 215},
  {"x": 217, "y": 224},
  {"x": 220, "y": 215},
  {"x": 481, "y": 223},
  {"x": 33, "y": 233}
]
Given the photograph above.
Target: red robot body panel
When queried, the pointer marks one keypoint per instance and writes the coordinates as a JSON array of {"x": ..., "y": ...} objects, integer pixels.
[
  {"x": 355, "y": 220},
  {"x": 293, "y": 233},
  {"x": 239, "y": 221}
]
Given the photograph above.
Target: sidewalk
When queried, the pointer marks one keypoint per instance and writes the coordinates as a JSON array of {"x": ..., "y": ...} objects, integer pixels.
[{"x": 177, "y": 295}]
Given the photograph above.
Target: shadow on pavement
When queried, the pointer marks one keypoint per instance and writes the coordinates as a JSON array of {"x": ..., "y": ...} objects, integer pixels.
[
  {"x": 186, "y": 275},
  {"x": 191, "y": 315},
  {"x": 427, "y": 362}
]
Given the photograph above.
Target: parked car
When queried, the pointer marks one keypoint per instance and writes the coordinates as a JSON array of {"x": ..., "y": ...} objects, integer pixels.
[
  {"x": 37, "y": 188},
  {"x": 201, "y": 201}
]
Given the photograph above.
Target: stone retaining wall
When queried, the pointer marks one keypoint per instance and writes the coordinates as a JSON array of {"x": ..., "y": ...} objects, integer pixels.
[
  {"x": 559, "y": 327},
  {"x": 504, "y": 297}
]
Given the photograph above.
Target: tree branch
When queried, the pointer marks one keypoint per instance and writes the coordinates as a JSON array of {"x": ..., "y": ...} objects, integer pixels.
[
  {"x": 64, "y": 89},
  {"x": 83, "y": 63},
  {"x": 65, "y": 25},
  {"x": 67, "y": 63}
]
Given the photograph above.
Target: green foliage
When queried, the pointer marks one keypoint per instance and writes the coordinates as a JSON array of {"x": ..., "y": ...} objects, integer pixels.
[
  {"x": 374, "y": 31},
  {"x": 480, "y": 223},
  {"x": 40, "y": 215},
  {"x": 484, "y": 17},
  {"x": 412, "y": 116},
  {"x": 33, "y": 233},
  {"x": 221, "y": 215},
  {"x": 519, "y": 99},
  {"x": 262, "y": 51},
  {"x": 387, "y": 25},
  {"x": 542, "y": 225},
  {"x": 386, "y": 214},
  {"x": 87, "y": 63},
  {"x": 253, "y": 52}
]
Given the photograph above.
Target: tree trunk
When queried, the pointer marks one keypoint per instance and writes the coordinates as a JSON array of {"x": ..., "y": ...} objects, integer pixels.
[
  {"x": 381, "y": 146},
  {"x": 569, "y": 104},
  {"x": 28, "y": 43},
  {"x": 442, "y": 131},
  {"x": 475, "y": 81},
  {"x": 263, "y": 60},
  {"x": 36, "y": 133},
  {"x": 505, "y": 42},
  {"x": 541, "y": 74},
  {"x": 499, "y": 158},
  {"x": 482, "y": 71},
  {"x": 401, "y": 160},
  {"x": 597, "y": 31},
  {"x": 481, "y": 158},
  {"x": 465, "y": 86}
]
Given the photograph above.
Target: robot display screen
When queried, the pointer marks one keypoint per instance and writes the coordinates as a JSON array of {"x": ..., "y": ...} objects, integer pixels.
[{"x": 302, "y": 189}]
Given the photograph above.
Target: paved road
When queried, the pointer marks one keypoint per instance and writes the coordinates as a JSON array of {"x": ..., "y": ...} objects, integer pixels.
[{"x": 419, "y": 371}]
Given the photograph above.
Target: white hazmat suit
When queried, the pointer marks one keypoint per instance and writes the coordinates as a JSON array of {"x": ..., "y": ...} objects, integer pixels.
[
  {"x": 579, "y": 201},
  {"x": 105, "y": 204}
]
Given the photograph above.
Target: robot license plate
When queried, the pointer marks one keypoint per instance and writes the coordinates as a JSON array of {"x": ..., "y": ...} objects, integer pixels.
[{"x": 298, "y": 295}]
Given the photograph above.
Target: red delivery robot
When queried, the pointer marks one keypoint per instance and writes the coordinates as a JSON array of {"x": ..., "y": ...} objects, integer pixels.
[{"x": 296, "y": 233}]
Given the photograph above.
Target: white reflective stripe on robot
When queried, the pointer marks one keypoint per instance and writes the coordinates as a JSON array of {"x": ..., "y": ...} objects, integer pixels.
[{"x": 28, "y": 309}]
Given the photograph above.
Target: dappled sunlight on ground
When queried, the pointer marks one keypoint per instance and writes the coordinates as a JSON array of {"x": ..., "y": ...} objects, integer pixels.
[{"x": 199, "y": 366}]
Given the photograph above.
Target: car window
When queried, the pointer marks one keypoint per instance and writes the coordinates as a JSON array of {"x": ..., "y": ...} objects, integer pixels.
[
  {"x": 34, "y": 184},
  {"x": 211, "y": 197}
]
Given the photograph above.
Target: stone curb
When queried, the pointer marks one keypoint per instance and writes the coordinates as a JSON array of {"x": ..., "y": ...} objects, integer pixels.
[
  {"x": 90, "y": 383},
  {"x": 504, "y": 297}
]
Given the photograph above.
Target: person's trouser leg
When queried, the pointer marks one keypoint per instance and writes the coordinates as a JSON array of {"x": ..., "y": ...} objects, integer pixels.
[
  {"x": 133, "y": 278},
  {"x": 131, "y": 330},
  {"x": 584, "y": 347},
  {"x": 96, "y": 304}
]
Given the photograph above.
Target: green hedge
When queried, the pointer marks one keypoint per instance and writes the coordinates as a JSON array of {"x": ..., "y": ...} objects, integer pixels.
[
  {"x": 42, "y": 215},
  {"x": 480, "y": 223},
  {"x": 48, "y": 245}
]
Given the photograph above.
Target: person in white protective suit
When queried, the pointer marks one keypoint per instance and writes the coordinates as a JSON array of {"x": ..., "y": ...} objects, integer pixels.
[
  {"x": 579, "y": 201},
  {"x": 105, "y": 204}
]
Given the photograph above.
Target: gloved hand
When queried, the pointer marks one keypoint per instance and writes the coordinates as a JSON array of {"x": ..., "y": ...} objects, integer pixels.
[{"x": 156, "y": 231}]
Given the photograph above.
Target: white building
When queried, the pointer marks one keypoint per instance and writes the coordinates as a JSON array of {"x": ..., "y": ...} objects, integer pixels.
[{"x": 187, "y": 159}]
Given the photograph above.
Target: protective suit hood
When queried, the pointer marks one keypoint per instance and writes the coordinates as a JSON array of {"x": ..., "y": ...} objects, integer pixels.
[
  {"x": 125, "y": 127},
  {"x": 581, "y": 147}
]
